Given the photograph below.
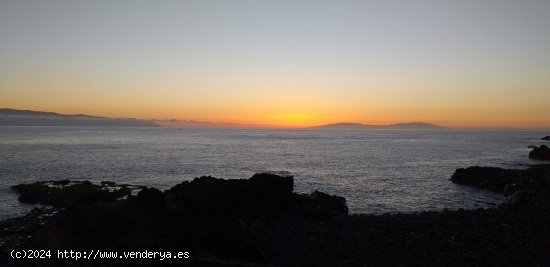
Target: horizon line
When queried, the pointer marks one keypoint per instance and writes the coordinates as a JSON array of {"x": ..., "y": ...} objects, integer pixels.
[{"x": 247, "y": 125}]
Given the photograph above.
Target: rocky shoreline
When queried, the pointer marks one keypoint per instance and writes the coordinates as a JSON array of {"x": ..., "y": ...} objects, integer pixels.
[
  {"x": 260, "y": 221},
  {"x": 542, "y": 153}
]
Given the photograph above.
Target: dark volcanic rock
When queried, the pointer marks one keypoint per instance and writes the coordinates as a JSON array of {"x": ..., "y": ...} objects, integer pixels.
[
  {"x": 546, "y": 137},
  {"x": 208, "y": 216},
  {"x": 16, "y": 232},
  {"x": 262, "y": 193},
  {"x": 66, "y": 193},
  {"x": 520, "y": 186},
  {"x": 490, "y": 178},
  {"x": 542, "y": 152},
  {"x": 261, "y": 222},
  {"x": 319, "y": 204}
]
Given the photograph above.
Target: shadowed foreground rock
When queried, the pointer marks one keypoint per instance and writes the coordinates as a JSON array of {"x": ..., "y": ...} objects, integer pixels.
[
  {"x": 261, "y": 222},
  {"x": 65, "y": 193},
  {"x": 542, "y": 153}
]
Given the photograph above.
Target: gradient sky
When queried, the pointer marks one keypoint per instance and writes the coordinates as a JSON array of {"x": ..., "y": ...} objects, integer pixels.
[{"x": 281, "y": 63}]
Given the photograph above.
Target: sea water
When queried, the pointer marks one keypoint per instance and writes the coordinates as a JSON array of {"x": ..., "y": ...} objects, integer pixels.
[{"x": 377, "y": 171}]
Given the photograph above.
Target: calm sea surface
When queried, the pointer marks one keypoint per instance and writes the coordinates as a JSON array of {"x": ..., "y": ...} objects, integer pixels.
[{"x": 377, "y": 171}]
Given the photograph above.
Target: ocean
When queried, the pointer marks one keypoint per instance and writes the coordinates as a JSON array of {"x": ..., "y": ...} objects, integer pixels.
[{"x": 377, "y": 171}]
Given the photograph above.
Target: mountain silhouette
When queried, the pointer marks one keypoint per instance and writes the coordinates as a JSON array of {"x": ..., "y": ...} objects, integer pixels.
[
  {"x": 15, "y": 117},
  {"x": 407, "y": 125}
]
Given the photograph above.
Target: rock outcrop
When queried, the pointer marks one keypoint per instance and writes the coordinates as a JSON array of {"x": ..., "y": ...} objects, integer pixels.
[
  {"x": 530, "y": 186},
  {"x": 261, "y": 222},
  {"x": 546, "y": 138},
  {"x": 211, "y": 217},
  {"x": 490, "y": 178},
  {"x": 542, "y": 153},
  {"x": 66, "y": 193}
]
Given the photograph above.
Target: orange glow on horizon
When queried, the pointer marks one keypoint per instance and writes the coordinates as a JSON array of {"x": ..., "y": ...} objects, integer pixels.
[
  {"x": 302, "y": 118},
  {"x": 262, "y": 64}
]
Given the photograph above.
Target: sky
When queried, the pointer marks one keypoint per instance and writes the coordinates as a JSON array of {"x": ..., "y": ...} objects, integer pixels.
[{"x": 281, "y": 63}]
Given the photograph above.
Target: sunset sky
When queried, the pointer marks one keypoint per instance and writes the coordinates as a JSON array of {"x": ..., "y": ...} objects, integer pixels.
[{"x": 281, "y": 63}]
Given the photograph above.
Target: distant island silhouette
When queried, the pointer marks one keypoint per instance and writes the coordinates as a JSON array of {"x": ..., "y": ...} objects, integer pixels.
[
  {"x": 15, "y": 117},
  {"x": 408, "y": 125}
]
